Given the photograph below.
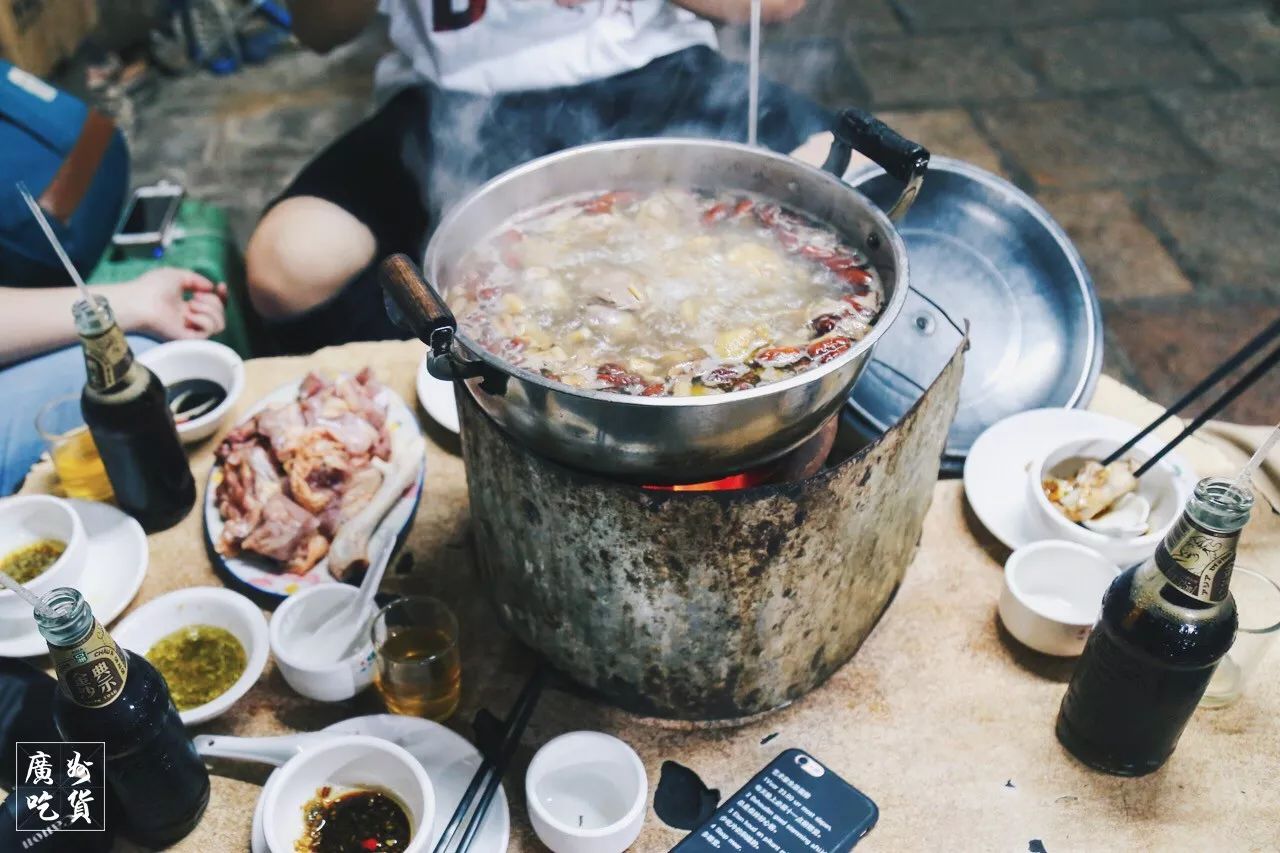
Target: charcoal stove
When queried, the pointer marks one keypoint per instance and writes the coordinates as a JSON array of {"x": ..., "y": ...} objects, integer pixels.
[{"x": 703, "y": 604}]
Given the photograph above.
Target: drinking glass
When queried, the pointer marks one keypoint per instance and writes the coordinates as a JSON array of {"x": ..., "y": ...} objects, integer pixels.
[
  {"x": 419, "y": 671},
  {"x": 75, "y": 456},
  {"x": 1258, "y": 603}
]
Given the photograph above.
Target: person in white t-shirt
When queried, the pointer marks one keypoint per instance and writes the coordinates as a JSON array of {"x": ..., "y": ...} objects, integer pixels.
[{"x": 472, "y": 88}]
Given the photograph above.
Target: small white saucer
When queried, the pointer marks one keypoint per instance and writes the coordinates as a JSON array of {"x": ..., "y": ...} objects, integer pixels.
[
  {"x": 436, "y": 397},
  {"x": 114, "y": 569},
  {"x": 995, "y": 473},
  {"x": 450, "y": 762}
]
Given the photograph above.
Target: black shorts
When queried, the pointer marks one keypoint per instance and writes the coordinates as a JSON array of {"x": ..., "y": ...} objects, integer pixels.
[{"x": 426, "y": 148}]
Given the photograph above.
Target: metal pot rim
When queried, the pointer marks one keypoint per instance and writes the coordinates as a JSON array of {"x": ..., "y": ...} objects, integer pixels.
[{"x": 886, "y": 319}]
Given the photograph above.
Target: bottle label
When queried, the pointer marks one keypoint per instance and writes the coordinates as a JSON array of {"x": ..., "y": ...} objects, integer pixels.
[
  {"x": 107, "y": 358},
  {"x": 93, "y": 671},
  {"x": 1198, "y": 561}
]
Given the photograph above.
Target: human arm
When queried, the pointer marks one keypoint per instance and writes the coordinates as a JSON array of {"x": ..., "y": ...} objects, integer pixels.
[
  {"x": 36, "y": 320},
  {"x": 322, "y": 25},
  {"x": 739, "y": 11}
]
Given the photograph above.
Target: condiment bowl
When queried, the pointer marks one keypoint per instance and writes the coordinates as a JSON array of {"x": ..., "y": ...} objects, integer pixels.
[
  {"x": 291, "y": 632},
  {"x": 178, "y": 360},
  {"x": 1052, "y": 595},
  {"x": 586, "y": 793},
  {"x": 202, "y": 605},
  {"x": 1163, "y": 487},
  {"x": 28, "y": 519},
  {"x": 347, "y": 761}
]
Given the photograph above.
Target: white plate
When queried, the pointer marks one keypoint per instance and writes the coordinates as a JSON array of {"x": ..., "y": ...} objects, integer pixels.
[
  {"x": 261, "y": 579},
  {"x": 114, "y": 569},
  {"x": 450, "y": 762},
  {"x": 436, "y": 397},
  {"x": 995, "y": 474}
]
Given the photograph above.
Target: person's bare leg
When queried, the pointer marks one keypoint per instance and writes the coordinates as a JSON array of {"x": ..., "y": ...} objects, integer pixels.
[
  {"x": 814, "y": 151},
  {"x": 302, "y": 253}
]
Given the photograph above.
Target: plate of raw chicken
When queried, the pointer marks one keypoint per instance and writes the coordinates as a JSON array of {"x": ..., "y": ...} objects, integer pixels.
[{"x": 311, "y": 484}]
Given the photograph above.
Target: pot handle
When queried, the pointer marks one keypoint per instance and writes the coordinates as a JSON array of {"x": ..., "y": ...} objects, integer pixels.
[
  {"x": 424, "y": 313},
  {"x": 857, "y": 130}
]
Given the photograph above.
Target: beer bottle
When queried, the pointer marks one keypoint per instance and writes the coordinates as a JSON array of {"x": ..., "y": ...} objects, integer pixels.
[
  {"x": 1165, "y": 625},
  {"x": 111, "y": 695},
  {"x": 127, "y": 412}
]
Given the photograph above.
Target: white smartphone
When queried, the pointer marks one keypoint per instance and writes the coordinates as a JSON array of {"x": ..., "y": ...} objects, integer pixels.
[{"x": 150, "y": 212}]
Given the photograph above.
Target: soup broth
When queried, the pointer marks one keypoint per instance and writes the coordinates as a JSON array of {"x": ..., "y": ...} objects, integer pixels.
[{"x": 666, "y": 292}]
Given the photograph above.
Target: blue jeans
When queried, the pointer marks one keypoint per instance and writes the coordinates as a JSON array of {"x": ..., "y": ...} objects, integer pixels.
[{"x": 25, "y": 387}]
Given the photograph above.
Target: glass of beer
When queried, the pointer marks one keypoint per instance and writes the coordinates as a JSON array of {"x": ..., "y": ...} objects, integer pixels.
[
  {"x": 75, "y": 456},
  {"x": 419, "y": 671}
]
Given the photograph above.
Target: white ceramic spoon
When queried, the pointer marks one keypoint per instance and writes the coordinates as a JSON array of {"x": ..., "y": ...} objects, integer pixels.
[
  {"x": 263, "y": 750},
  {"x": 333, "y": 639}
]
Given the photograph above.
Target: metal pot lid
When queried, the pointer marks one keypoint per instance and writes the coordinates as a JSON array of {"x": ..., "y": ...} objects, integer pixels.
[{"x": 981, "y": 250}]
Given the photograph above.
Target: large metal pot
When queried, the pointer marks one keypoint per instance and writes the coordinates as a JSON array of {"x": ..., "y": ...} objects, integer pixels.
[{"x": 664, "y": 439}]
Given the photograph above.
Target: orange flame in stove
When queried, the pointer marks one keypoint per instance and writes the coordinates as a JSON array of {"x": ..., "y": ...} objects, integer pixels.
[{"x": 745, "y": 480}]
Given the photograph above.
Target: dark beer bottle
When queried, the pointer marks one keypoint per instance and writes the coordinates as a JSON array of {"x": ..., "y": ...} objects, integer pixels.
[
  {"x": 1165, "y": 625},
  {"x": 127, "y": 412},
  {"x": 111, "y": 695}
]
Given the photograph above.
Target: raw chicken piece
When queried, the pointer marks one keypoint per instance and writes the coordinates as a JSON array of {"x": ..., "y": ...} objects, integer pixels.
[
  {"x": 250, "y": 480},
  {"x": 284, "y": 428},
  {"x": 318, "y": 472},
  {"x": 356, "y": 434},
  {"x": 350, "y": 552},
  {"x": 295, "y": 473},
  {"x": 289, "y": 534},
  {"x": 360, "y": 488}
]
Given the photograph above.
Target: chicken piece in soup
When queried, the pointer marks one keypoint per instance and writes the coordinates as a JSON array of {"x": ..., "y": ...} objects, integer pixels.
[{"x": 665, "y": 292}]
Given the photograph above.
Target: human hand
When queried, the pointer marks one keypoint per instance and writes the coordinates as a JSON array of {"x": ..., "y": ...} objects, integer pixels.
[{"x": 172, "y": 304}]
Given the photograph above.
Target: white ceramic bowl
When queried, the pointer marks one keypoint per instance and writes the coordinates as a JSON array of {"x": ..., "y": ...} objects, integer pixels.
[
  {"x": 324, "y": 682},
  {"x": 1161, "y": 486},
  {"x": 178, "y": 360},
  {"x": 1053, "y": 594},
  {"x": 201, "y": 605},
  {"x": 586, "y": 793},
  {"x": 355, "y": 761},
  {"x": 27, "y": 519}
]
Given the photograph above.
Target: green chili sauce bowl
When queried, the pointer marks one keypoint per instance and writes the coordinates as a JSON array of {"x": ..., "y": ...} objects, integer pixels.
[{"x": 217, "y": 607}]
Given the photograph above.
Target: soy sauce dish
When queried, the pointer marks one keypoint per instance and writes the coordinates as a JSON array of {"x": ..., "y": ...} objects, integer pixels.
[
  {"x": 202, "y": 379},
  {"x": 371, "y": 788}
]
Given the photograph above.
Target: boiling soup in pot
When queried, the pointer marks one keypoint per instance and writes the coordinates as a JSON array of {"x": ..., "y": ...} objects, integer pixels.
[{"x": 665, "y": 292}]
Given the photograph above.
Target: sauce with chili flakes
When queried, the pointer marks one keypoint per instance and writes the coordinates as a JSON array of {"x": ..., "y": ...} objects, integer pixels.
[
  {"x": 666, "y": 292},
  {"x": 359, "y": 820},
  {"x": 29, "y": 562}
]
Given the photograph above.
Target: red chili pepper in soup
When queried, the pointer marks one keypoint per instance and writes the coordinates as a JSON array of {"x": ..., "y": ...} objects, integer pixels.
[
  {"x": 605, "y": 202},
  {"x": 616, "y": 376},
  {"x": 779, "y": 356},
  {"x": 507, "y": 251},
  {"x": 715, "y": 213},
  {"x": 827, "y": 349}
]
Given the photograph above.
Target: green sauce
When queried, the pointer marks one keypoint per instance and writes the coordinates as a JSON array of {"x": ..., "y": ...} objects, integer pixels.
[
  {"x": 29, "y": 562},
  {"x": 199, "y": 663}
]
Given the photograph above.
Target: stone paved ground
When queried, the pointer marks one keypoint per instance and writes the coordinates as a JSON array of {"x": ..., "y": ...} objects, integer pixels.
[{"x": 1149, "y": 128}]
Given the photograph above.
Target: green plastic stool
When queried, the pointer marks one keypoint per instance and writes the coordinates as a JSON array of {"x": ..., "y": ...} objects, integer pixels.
[{"x": 205, "y": 246}]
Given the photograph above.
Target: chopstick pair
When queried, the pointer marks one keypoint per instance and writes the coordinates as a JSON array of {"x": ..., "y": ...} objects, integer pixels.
[
  {"x": 492, "y": 768},
  {"x": 1251, "y": 348}
]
